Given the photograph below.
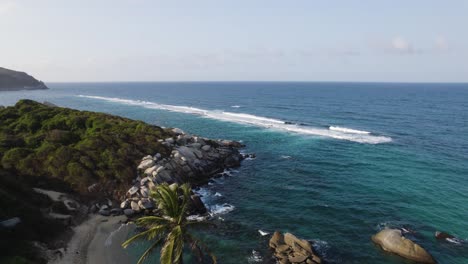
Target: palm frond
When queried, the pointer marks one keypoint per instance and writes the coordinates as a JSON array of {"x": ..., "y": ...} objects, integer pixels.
[
  {"x": 178, "y": 237},
  {"x": 168, "y": 199},
  {"x": 150, "y": 234},
  {"x": 201, "y": 246},
  {"x": 199, "y": 223},
  {"x": 170, "y": 229},
  {"x": 151, "y": 220},
  {"x": 167, "y": 251},
  {"x": 149, "y": 250},
  {"x": 194, "y": 248}
]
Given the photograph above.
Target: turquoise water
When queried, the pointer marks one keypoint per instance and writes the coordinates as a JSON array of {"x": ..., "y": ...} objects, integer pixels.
[{"x": 403, "y": 164}]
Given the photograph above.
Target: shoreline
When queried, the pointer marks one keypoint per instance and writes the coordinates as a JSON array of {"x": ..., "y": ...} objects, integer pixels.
[{"x": 97, "y": 240}]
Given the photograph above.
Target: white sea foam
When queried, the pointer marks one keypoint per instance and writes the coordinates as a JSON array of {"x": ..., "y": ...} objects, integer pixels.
[
  {"x": 348, "y": 130},
  {"x": 259, "y": 121},
  {"x": 455, "y": 241},
  {"x": 220, "y": 209},
  {"x": 235, "y": 106},
  {"x": 285, "y": 157},
  {"x": 211, "y": 200},
  {"x": 196, "y": 217},
  {"x": 255, "y": 257}
]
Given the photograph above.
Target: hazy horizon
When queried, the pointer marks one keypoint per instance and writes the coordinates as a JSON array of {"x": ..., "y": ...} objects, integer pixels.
[{"x": 209, "y": 41}]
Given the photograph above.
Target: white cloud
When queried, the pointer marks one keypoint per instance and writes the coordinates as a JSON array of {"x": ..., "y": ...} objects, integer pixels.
[
  {"x": 7, "y": 6},
  {"x": 401, "y": 45}
]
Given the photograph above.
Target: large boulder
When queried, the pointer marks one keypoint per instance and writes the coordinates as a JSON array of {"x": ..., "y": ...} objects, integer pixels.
[
  {"x": 128, "y": 212},
  {"x": 290, "y": 249},
  {"x": 198, "y": 206},
  {"x": 276, "y": 240},
  {"x": 134, "y": 206},
  {"x": 392, "y": 240},
  {"x": 145, "y": 164},
  {"x": 133, "y": 190},
  {"x": 298, "y": 244},
  {"x": 150, "y": 170}
]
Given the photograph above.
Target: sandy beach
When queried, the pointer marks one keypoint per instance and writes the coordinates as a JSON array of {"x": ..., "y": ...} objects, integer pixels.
[{"x": 97, "y": 240}]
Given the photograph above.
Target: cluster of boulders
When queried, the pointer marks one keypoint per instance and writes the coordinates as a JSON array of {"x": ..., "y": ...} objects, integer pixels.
[
  {"x": 392, "y": 240},
  {"x": 290, "y": 249},
  {"x": 63, "y": 208},
  {"x": 193, "y": 159}
]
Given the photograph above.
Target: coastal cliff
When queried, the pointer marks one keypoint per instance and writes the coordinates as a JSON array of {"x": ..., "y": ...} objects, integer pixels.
[
  {"x": 11, "y": 80},
  {"x": 57, "y": 165}
]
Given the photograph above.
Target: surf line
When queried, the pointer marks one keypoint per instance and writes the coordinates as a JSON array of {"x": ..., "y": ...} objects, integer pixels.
[{"x": 341, "y": 133}]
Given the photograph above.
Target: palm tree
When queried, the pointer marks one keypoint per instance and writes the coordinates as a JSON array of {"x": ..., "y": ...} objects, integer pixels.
[{"x": 170, "y": 229}]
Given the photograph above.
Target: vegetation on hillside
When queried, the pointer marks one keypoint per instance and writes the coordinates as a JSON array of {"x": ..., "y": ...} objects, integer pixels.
[
  {"x": 62, "y": 149},
  {"x": 17, "y": 199},
  {"x": 74, "y": 148}
]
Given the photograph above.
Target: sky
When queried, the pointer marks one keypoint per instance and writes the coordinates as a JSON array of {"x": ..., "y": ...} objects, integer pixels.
[{"x": 242, "y": 40}]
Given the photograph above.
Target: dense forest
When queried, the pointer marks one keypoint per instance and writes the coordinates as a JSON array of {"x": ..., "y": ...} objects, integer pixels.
[{"x": 62, "y": 149}]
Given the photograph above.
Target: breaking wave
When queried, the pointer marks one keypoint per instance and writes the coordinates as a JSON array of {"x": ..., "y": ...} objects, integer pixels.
[
  {"x": 259, "y": 121},
  {"x": 348, "y": 130}
]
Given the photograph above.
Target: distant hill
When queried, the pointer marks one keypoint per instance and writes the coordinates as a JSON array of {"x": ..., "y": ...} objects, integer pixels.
[{"x": 14, "y": 80}]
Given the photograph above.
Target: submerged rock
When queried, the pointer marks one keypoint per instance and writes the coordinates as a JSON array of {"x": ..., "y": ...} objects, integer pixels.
[
  {"x": 391, "y": 240},
  {"x": 442, "y": 235},
  {"x": 448, "y": 238}
]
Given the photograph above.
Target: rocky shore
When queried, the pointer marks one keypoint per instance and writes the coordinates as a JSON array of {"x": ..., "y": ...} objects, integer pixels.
[
  {"x": 60, "y": 167},
  {"x": 193, "y": 159}
]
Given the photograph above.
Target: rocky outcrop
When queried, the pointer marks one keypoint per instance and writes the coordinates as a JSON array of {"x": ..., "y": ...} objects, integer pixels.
[
  {"x": 392, "y": 240},
  {"x": 290, "y": 249},
  {"x": 64, "y": 208},
  {"x": 14, "y": 80},
  {"x": 193, "y": 159}
]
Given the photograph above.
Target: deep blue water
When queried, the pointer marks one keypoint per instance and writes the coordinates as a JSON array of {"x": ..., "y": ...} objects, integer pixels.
[{"x": 404, "y": 163}]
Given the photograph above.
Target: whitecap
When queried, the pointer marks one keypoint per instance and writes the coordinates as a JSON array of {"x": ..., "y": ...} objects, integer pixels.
[
  {"x": 455, "y": 241},
  {"x": 235, "y": 106},
  {"x": 196, "y": 217},
  {"x": 348, "y": 130},
  {"x": 220, "y": 209},
  {"x": 217, "y": 194},
  {"x": 259, "y": 121},
  {"x": 285, "y": 157},
  {"x": 263, "y": 233},
  {"x": 255, "y": 257}
]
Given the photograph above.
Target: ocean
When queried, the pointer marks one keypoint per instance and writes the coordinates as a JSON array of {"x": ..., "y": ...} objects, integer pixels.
[{"x": 335, "y": 162}]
